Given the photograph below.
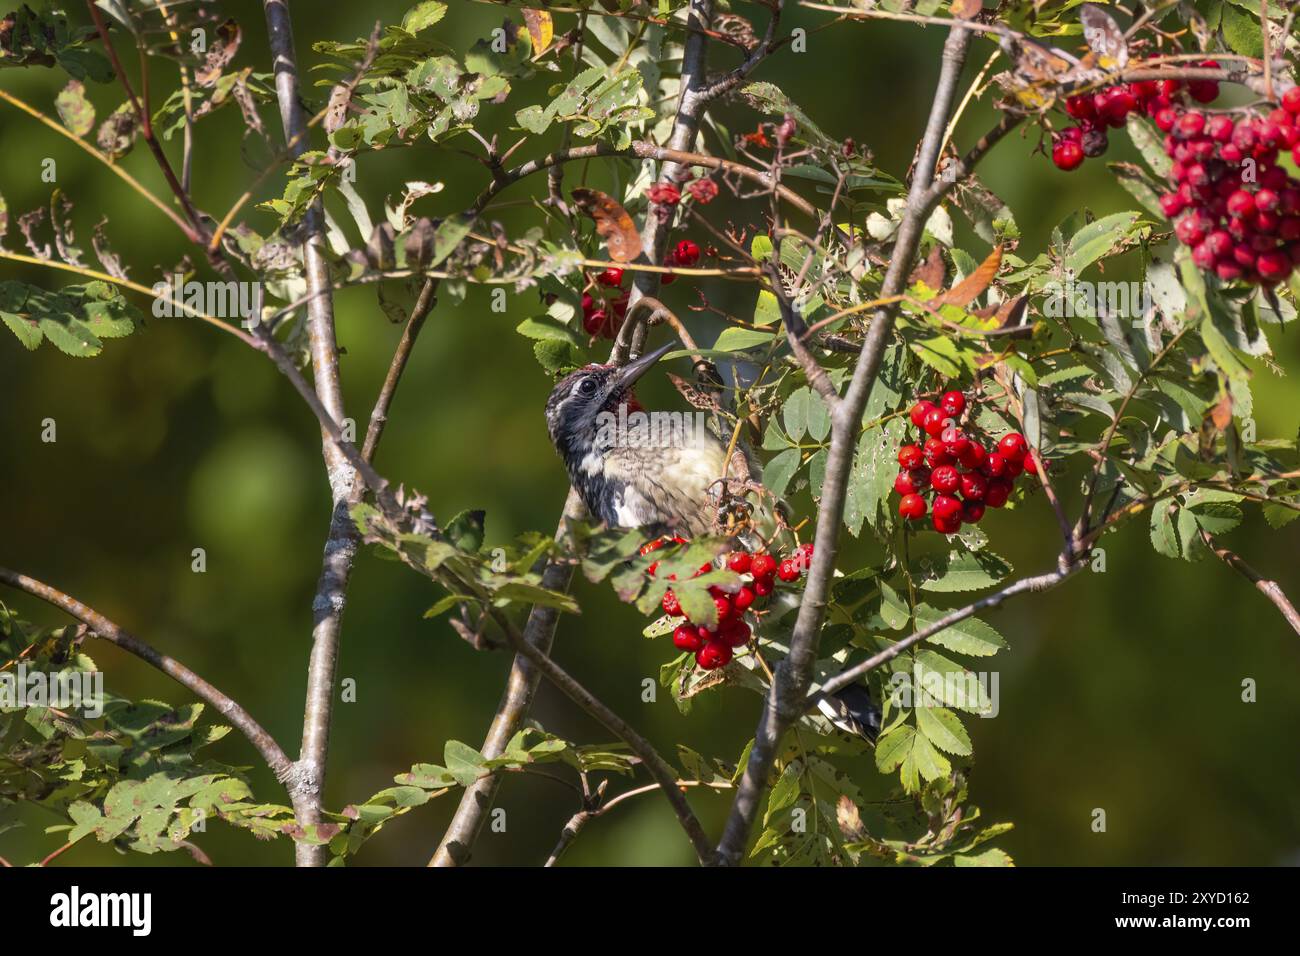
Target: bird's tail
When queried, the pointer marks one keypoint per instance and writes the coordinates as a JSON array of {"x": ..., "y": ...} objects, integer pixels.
[{"x": 853, "y": 710}]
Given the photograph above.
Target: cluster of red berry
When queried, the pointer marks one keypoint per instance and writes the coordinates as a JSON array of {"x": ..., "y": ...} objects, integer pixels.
[
  {"x": 1110, "y": 107},
  {"x": 601, "y": 317},
  {"x": 703, "y": 191},
  {"x": 605, "y": 317},
  {"x": 1236, "y": 208},
  {"x": 952, "y": 463},
  {"x": 713, "y": 646}
]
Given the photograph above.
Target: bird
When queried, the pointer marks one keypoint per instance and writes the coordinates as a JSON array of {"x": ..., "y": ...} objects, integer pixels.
[
  {"x": 635, "y": 469},
  {"x": 664, "y": 473}
]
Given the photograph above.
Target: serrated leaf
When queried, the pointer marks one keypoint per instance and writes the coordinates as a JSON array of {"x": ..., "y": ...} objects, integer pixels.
[
  {"x": 944, "y": 729},
  {"x": 962, "y": 571},
  {"x": 971, "y": 636}
]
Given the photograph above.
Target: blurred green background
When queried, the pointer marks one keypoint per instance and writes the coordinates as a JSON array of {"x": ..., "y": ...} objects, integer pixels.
[{"x": 1119, "y": 691}]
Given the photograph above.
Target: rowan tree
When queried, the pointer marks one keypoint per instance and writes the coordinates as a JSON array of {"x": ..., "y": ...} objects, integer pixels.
[{"x": 904, "y": 363}]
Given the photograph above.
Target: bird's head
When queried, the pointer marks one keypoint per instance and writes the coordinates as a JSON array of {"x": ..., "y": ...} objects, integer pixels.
[{"x": 577, "y": 401}]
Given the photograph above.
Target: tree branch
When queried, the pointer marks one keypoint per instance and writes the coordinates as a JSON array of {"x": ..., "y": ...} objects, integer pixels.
[
  {"x": 1270, "y": 589},
  {"x": 101, "y": 626},
  {"x": 785, "y": 699},
  {"x": 457, "y": 842},
  {"x": 341, "y": 541}
]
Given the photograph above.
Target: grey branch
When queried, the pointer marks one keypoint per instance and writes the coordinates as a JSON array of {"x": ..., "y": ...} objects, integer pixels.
[
  {"x": 341, "y": 540},
  {"x": 786, "y": 698}
]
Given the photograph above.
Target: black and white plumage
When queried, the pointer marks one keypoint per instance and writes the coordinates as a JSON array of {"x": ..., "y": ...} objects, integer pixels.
[
  {"x": 634, "y": 470},
  {"x": 673, "y": 482}
]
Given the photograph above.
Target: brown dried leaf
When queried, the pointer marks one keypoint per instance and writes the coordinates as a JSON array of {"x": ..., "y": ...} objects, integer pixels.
[
  {"x": 974, "y": 285},
  {"x": 222, "y": 50},
  {"x": 850, "y": 820},
  {"x": 932, "y": 271},
  {"x": 1104, "y": 36},
  {"x": 613, "y": 224},
  {"x": 966, "y": 9},
  {"x": 541, "y": 28},
  {"x": 110, "y": 260},
  {"x": 1221, "y": 414},
  {"x": 117, "y": 133},
  {"x": 695, "y": 396}
]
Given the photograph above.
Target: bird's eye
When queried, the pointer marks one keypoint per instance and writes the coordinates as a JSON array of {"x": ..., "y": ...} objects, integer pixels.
[{"x": 587, "y": 386}]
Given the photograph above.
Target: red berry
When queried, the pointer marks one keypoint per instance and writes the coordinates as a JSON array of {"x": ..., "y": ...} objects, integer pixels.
[
  {"x": 738, "y": 561},
  {"x": 910, "y": 456},
  {"x": 703, "y": 191},
  {"x": 1205, "y": 91},
  {"x": 919, "y": 411},
  {"x": 1189, "y": 125},
  {"x": 734, "y": 633},
  {"x": 974, "y": 457},
  {"x": 972, "y": 511},
  {"x": 763, "y": 586},
  {"x": 974, "y": 486},
  {"x": 945, "y": 478},
  {"x": 1273, "y": 266},
  {"x": 936, "y": 454},
  {"x": 787, "y": 571},
  {"x": 686, "y": 253},
  {"x": 946, "y": 506},
  {"x": 1013, "y": 446},
  {"x": 665, "y": 194},
  {"x": 762, "y": 566},
  {"x": 723, "y": 604},
  {"x": 1067, "y": 155},
  {"x": 1081, "y": 107},
  {"x": 1014, "y": 467},
  {"x": 713, "y": 654},
  {"x": 995, "y": 466},
  {"x": 953, "y": 403},
  {"x": 612, "y": 277},
  {"x": 912, "y": 507},
  {"x": 743, "y": 599},
  {"x": 998, "y": 492},
  {"x": 934, "y": 422},
  {"x": 1165, "y": 119},
  {"x": 687, "y": 638},
  {"x": 1031, "y": 465},
  {"x": 1171, "y": 205},
  {"x": 955, "y": 442}
]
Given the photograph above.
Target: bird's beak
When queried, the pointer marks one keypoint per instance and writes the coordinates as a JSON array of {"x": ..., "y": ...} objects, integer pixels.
[{"x": 632, "y": 371}]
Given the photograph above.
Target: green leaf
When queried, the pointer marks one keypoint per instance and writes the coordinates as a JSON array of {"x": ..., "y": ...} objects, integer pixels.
[
  {"x": 778, "y": 472},
  {"x": 944, "y": 729},
  {"x": 1098, "y": 239},
  {"x": 971, "y": 636},
  {"x": 962, "y": 571},
  {"x": 464, "y": 763},
  {"x": 423, "y": 15},
  {"x": 734, "y": 339},
  {"x": 795, "y": 413}
]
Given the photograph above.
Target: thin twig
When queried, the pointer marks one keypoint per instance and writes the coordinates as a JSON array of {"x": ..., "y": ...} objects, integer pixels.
[
  {"x": 102, "y": 627},
  {"x": 1270, "y": 589}
]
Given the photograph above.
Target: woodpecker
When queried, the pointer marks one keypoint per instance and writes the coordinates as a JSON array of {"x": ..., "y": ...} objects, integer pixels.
[
  {"x": 635, "y": 470},
  {"x": 670, "y": 475}
]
